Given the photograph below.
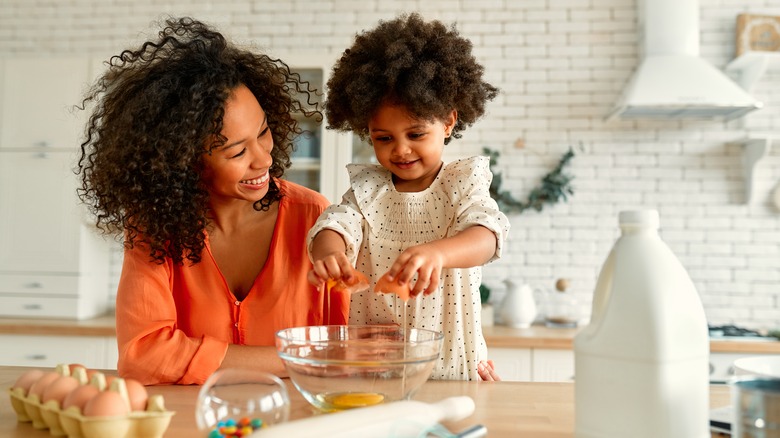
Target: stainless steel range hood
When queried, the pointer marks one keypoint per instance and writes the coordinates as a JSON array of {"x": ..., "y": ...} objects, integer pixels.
[{"x": 672, "y": 81}]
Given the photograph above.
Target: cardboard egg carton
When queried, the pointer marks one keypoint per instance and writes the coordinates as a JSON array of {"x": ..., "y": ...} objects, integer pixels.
[{"x": 150, "y": 423}]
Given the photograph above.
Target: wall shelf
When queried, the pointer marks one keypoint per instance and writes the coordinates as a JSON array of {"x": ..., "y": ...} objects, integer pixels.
[
  {"x": 748, "y": 68},
  {"x": 754, "y": 150}
]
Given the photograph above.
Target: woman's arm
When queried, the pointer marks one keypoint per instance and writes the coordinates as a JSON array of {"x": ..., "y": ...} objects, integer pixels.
[
  {"x": 152, "y": 349},
  {"x": 258, "y": 358}
]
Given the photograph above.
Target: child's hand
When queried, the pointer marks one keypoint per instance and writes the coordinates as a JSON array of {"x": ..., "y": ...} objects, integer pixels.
[
  {"x": 487, "y": 371},
  {"x": 425, "y": 261},
  {"x": 334, "y": 266}
]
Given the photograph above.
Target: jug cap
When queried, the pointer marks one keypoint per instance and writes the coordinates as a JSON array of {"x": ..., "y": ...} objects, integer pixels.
[{"x": 640, "y": 218}]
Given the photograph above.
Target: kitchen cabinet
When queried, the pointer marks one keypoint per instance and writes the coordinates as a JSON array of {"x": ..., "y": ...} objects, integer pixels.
[
  {"x": 321, "y": 156},
  {"x": 53, "y": 263},
  {"x": 533, "y": 364},
  {"x": 99, "y": 352},
  {"x": 722, "y": 364},
  {"x": 552, "y": 365},
  {"x": 38, "y": 95},
  {"x": 512, "y": 364}
]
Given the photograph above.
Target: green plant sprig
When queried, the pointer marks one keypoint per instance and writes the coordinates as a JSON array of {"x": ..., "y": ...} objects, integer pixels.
[{"x": 554, "y": 187}]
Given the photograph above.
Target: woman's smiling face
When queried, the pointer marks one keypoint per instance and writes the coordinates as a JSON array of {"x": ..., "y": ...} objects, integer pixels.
[
  {"x": 239, "y": 168},
  {"x": 409, "y": 148}
]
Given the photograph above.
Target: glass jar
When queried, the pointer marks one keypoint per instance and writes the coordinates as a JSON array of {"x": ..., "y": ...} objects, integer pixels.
[{"x": 561, "y": 308}]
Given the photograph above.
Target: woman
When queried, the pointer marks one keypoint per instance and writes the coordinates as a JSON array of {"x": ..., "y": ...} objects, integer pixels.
[{"x": 184, "y": 155}]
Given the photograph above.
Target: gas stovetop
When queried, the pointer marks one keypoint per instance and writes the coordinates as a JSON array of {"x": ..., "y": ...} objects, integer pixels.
[{"x": 732, "y": 332}]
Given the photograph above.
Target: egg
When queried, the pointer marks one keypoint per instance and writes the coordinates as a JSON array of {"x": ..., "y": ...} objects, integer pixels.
[
  {"x": 386, "y": 286},
  {"x": 137, "y": 394},
  {"x": 79, "y": 397},
  {"x": 26, "y": 380},
  {"x": 74, "y": 366},
  {"x": 40, "y": 385},
  {"x": 58, "y": 389},
  {"x": 106, "y": 404}
]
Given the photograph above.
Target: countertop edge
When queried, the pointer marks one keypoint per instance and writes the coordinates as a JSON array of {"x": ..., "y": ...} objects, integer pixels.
[
  {"x": 540, "y": 337},
  {"x": 100, "y": 326}
]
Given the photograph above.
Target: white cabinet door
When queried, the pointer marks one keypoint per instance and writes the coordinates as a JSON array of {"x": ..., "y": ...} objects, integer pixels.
[
  {"x": 722, "y": 365},
  {"x": 321, "y": 155},
  {"x": 37, "y": 100},
  {"x": 49, "y": 351},
  {"x": 52, "y": 262},
  {"x": 553, "y": 365},
  {"x": 512, "y": 364},
  {"x": 39, "y": 211}
]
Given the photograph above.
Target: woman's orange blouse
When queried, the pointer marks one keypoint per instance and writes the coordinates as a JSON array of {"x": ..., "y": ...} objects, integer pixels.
[{"x": 174, "y": 321}]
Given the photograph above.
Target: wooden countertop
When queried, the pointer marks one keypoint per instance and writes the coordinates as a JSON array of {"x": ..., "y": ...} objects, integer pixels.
[
  {"x": 507, "y": 409},
  {"x": 101, "y": 326},
  {"x": 537, "y": 336}
]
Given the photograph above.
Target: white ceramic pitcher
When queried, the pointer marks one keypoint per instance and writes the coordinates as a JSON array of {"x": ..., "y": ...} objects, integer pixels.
[{"x": 518, "y": 308}]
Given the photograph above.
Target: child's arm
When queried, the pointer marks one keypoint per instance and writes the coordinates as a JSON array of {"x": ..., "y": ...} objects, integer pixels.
[
  {"x": 473, "y": 246},
  {"x": 329, "y": 258},
  {"x": 333, "y": 242}
]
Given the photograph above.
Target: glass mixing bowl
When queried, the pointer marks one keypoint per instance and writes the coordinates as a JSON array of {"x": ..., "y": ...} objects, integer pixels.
[{"x": 341, "y": 367}]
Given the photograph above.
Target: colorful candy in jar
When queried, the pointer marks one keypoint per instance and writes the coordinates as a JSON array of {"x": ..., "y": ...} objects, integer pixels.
[{"x": 234, "y": 429}]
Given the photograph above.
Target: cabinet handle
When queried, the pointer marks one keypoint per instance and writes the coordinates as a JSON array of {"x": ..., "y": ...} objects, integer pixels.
[
  {"x": 32, "y": 307},
  {"x": 41, "y": 144},
  {"x": 43, "y": 155},
  {"x": 34, "y": 285},
  {"x": 36, "y": 357}
]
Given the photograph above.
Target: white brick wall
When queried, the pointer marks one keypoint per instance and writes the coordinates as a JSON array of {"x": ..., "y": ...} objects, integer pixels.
[{"x": 560, "y": 66}]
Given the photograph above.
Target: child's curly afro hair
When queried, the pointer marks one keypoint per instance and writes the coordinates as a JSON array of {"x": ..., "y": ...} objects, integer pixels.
[{"x": 425, "y": 67}]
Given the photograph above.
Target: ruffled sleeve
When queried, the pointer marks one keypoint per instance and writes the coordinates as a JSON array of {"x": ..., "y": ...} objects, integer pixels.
[
  {"x": 347, "y": 218},
  {"x": 469, "y": 181}
]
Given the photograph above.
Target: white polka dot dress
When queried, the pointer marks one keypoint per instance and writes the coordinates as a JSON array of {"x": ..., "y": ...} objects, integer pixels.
[{"x": 378, "y": 223}]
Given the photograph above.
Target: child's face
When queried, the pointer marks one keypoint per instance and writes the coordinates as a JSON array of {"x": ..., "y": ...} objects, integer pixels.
[
  {"x": 239, "y": 169},
  {"x": 409, "y": 148}
]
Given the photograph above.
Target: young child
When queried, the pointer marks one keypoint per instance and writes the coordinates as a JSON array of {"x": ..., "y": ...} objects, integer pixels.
[{"x": 410, "y": 86}]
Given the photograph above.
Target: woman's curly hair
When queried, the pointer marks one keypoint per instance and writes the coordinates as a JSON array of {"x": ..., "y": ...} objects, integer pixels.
[
  {"x": 158, "y": 109},
  {"x": 425, "y": 67}
]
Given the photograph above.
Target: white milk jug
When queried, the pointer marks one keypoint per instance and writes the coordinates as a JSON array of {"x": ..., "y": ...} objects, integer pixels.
[
  {"x": 641, "y": 365},
  {"x": 518, "y": 308}
]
